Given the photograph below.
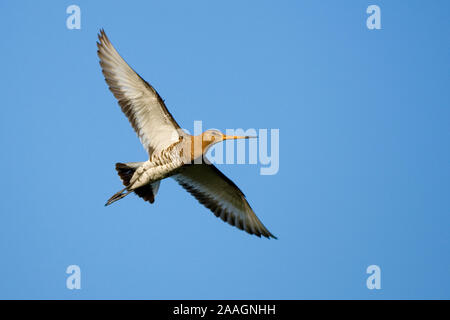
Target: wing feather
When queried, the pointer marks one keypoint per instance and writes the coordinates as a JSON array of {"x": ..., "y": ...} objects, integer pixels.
[
  {"x": 138, "y": 100},
  {"x": 219, "y": 194}
]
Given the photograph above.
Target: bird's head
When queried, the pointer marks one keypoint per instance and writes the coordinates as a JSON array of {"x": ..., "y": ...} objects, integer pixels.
[{"x": 212, "y": 136}]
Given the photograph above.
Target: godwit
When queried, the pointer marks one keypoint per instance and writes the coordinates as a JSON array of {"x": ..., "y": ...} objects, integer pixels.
[{"x": 172, "y": 152}]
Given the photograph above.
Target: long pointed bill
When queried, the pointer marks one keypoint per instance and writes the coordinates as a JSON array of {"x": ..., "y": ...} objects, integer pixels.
[{"x": 225, "y": 137}]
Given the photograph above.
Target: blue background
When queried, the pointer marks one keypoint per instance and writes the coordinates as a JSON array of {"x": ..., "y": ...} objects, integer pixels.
[{"x": 364, "y": 149}]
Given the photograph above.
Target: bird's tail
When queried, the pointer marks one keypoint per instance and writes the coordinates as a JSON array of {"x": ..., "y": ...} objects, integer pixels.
[{"x": 125, "y": 171}]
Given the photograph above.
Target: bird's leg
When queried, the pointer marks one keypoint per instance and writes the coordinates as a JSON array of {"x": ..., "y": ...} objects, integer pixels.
[{"x": 117, "y": 196}]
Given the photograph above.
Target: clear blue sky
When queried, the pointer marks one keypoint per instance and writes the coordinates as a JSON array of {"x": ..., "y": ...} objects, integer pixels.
[{"x": 364, "y": 149}]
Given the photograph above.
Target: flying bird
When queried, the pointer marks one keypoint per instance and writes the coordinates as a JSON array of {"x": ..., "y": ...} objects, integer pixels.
[{"x": 172, "y": 152}]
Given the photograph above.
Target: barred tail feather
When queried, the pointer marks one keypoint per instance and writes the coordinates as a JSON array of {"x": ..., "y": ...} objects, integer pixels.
[{"x": 126, "y": 171}]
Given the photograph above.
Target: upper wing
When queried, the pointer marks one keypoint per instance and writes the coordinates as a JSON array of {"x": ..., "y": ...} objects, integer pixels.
[
  {"x": 139, "y": 101},
  {"x": 218, "y": 193}
]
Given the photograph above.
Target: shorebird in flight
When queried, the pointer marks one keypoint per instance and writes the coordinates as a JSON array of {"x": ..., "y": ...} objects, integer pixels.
[{"x": 172, "y": 152}]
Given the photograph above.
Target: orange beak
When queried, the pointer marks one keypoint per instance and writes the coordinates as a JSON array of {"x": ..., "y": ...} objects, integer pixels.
[{"x": 225, "y": 137}]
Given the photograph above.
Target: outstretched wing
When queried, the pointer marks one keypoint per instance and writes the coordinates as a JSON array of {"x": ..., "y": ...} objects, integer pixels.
[
  {"x": 219, "y": 194},
  {"x": 139, "y": 101}
]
